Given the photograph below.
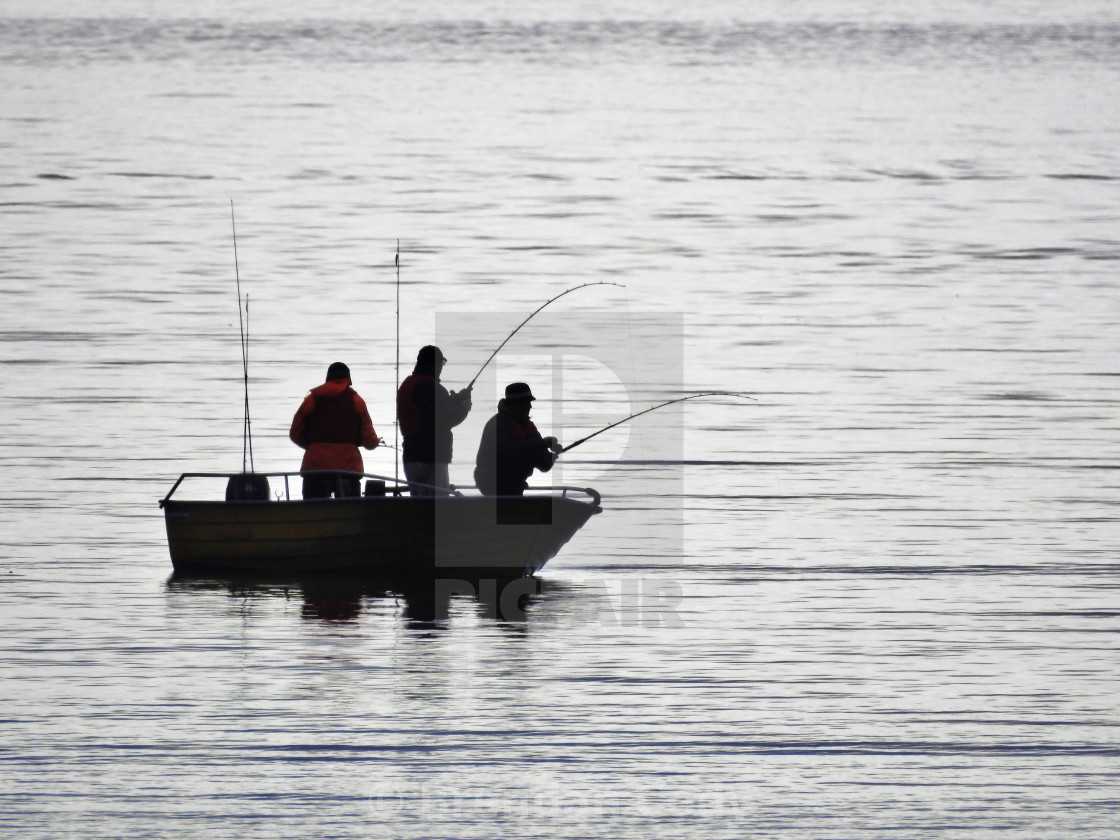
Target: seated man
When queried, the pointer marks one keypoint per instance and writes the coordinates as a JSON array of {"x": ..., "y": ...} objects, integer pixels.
[
  {"x": 511, "y": 447},
  {"x": 330, "y": 425}
]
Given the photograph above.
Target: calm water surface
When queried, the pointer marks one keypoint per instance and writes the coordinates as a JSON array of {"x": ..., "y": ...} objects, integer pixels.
[{"x": 879, "y": 600}]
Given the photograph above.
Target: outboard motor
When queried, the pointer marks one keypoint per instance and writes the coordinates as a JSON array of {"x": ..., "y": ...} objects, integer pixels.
[{"x": 247, "y": 487}]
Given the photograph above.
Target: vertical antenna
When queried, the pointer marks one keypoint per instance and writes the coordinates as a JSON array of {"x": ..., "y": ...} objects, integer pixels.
[
  {"x": 397, "y": 421},
  {"x": 246, "y": 429}
]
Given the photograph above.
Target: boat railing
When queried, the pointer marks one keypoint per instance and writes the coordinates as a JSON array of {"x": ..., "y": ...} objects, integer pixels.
[
  {"x": 596, "y": 499},
  {"x": 375, "y": 485}
]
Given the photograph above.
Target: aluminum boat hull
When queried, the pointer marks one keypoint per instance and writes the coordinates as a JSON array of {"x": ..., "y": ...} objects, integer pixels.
[{"x": 394, "y": 534}]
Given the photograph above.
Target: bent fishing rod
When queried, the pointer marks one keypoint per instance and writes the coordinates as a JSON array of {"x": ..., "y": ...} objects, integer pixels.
[
  {"x": 527, "y": 320},
  {"x": 648, "y": 410}
]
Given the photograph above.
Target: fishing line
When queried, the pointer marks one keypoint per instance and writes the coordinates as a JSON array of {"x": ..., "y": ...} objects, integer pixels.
[{"x": 633, "y": 363}]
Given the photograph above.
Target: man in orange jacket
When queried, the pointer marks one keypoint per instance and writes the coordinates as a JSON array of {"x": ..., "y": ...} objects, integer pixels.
[{"x": 331, "y": 424}]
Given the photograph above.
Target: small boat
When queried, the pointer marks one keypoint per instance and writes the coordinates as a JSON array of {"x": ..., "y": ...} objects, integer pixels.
[{"x": 383, "y": 532}]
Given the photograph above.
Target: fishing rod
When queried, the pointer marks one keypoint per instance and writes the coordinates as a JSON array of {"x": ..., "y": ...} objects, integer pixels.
[
  {"x": 247, "y": 426},
  {"x": 397, "y": 419},
  {"x": 527, "y": 320},
  {"x": 652, "y": 408}
]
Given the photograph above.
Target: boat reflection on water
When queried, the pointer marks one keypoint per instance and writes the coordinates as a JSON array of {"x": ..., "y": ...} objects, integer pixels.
[{"x": 424, "y": 602}]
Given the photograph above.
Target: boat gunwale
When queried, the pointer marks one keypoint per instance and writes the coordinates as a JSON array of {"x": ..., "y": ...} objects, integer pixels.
[{"x": 397, "y": 492}]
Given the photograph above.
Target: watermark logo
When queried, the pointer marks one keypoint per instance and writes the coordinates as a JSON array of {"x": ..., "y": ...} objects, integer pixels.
[
  {"x": 587, "y": 371},
  {"x": 635, "y": 602},
  {"x": 404, "y": 806}
]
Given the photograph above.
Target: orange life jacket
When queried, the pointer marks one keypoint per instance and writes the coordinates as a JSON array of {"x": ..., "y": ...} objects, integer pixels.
[{"x": 334, "y": 419}]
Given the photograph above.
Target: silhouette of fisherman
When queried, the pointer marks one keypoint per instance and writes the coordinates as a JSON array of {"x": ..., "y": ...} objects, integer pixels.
[
  {"x": 511, "y": 447},
  {"x": 330, "y": 425},
  {"x": 427, "y": 413}
]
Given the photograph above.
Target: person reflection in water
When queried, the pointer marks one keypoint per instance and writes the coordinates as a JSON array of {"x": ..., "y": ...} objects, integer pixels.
[
  {"x": 330, "y": 425},
  {"x": 511, "y": 447},
  {"x": 427, "y": 413}
]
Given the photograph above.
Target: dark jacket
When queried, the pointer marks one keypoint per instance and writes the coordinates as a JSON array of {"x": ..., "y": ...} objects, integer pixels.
[
  {"x": 427, "y": 413},
  {"x": 510, "y": 449}
]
